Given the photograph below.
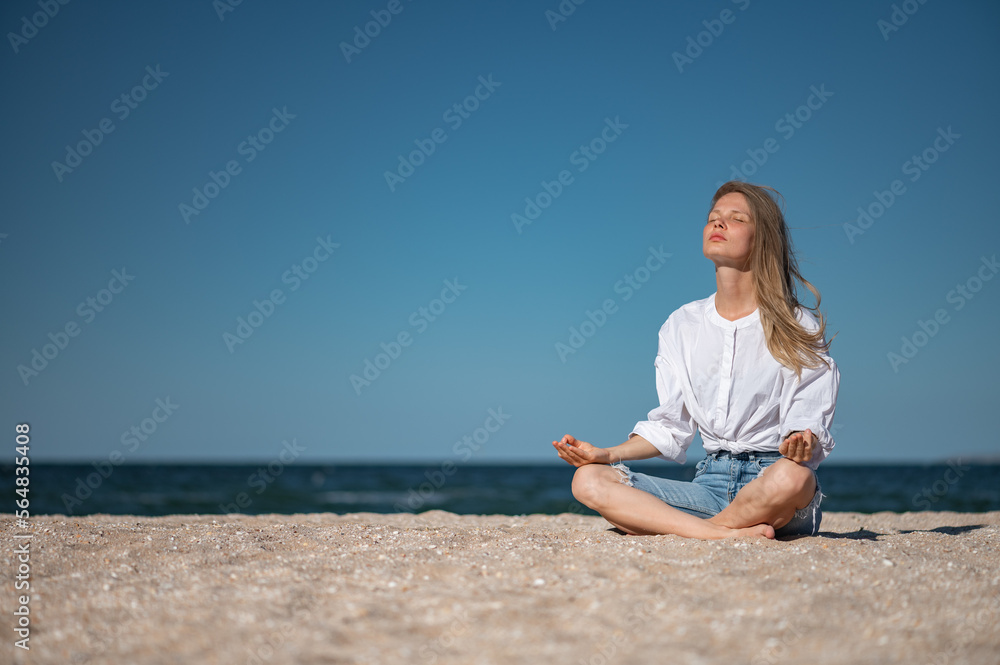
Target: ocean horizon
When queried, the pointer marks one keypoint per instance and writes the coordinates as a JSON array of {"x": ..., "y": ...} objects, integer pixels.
[{"x": 484, "y": 488}]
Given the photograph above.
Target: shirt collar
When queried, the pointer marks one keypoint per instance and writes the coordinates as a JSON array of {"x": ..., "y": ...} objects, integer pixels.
[{"x": 713, "y": 315}]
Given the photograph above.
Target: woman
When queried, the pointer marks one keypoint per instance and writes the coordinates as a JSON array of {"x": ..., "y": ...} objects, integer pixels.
[{"x": 748, "y": 367}]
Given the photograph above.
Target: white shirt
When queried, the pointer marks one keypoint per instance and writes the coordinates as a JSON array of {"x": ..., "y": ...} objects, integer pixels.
[{"x": 717, "y": 376}]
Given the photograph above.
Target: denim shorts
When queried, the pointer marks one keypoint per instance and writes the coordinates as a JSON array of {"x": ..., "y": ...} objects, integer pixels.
[{"x": 717, "y": 479}]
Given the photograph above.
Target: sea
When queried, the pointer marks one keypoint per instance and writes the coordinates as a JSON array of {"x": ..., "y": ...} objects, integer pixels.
[{"x": 506, "y": 489}]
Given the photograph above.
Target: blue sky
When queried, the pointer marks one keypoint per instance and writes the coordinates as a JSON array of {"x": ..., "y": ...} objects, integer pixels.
[{"x": 832, "y": 104}]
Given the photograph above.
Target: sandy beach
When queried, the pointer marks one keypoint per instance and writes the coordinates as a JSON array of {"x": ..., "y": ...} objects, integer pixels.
[{"x": 443, "y": 588}]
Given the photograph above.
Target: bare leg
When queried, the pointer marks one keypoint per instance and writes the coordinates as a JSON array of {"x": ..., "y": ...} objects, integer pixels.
[
  {"x": 640, "y": 513},
  {"x": 773, "y": 498}
]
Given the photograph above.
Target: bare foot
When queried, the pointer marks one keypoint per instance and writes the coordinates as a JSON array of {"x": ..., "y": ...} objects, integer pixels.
[
  {"x": 720, "y": 520},
  {"x": 759, "y": 531},
  {"x": 719, "y": 532}
]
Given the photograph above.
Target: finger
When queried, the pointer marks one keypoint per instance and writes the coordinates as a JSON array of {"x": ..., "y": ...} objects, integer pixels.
[
  {"x": 790, "y": 441},
  {"x": 570, "y": 458},
  {"x": 805, "y": 452},
  {"x": 794, "y": 449},
  {"x": 562, "y": 444}
]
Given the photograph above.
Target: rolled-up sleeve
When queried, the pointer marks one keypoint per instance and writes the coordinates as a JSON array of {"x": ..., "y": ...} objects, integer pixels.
[
  {"x": 809, "y": 402},
  {"x": 670, "y": 427}
]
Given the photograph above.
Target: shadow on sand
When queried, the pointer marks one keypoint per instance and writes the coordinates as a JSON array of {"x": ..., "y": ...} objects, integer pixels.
[
  {"x": 865, "y": 534},
  {"x": 947, "y": 530}
]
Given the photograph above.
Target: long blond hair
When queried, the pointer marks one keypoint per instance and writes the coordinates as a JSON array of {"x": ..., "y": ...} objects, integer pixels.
[{"x": 775, "y": 271}]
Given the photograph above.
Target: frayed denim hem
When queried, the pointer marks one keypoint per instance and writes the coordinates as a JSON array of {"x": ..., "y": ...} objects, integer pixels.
[
  {"x": 811, "y": 512},
  {"x": 624, "y": 474}
]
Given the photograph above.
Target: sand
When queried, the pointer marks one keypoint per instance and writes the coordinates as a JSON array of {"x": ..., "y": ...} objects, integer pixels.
[{"x": 445, "y": 588}]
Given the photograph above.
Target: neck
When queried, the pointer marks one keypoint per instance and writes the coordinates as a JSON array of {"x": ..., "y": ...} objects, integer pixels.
[{"x": 734, "y": 296}]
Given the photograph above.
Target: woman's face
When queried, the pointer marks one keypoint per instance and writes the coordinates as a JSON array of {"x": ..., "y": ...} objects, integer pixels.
[{"x": 728, "y": 234}]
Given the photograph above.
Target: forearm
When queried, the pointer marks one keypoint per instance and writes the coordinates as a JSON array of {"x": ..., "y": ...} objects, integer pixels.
[{"x": 636, "y": 448}]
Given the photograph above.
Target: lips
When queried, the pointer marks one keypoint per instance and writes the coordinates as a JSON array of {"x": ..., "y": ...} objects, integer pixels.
[{"x": 716, "y": 236}]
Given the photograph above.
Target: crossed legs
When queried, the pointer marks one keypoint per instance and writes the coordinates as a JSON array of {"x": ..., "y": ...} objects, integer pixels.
[
  {"x": 773, "y": 498},
  {"x": 766, "y": 503}
]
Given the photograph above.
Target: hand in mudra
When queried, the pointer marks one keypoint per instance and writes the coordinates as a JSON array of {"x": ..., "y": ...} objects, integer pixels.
[
  {"x": 799, "y": 447},
  {"x": 579, "y": 453}
]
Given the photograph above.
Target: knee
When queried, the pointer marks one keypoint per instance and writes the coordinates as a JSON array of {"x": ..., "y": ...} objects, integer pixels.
[
  {"x": 790, "y": 479},
  {"x": 588, "y": 484}
]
